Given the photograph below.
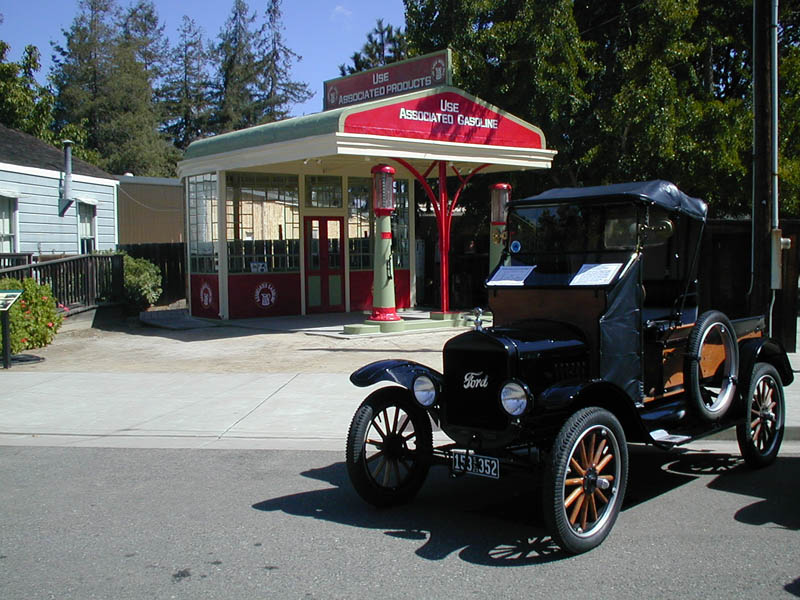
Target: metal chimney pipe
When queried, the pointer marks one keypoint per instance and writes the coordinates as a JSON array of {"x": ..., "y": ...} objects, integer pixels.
[{"x": 66, "y": 189}]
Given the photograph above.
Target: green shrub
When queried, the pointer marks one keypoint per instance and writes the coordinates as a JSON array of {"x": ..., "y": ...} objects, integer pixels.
[
  {"x": 142, "y": 282},
  {"x": 34, "y": 319}
]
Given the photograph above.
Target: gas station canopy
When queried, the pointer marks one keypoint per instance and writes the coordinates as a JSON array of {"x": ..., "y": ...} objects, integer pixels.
[{"x": 437, "y": 124}]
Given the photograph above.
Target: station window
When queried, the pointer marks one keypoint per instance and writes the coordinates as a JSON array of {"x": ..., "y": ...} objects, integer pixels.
[
  {"x": 400, "y": 242},
  {"x": 359, "y": 224},
  {"x": 323, "y": 191},
  {"x": 202, "y": 198},
  {"x": 263, "y": 223}
]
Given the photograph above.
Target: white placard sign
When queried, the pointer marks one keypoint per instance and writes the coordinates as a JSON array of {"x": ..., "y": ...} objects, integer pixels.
[
  {"x": 596, "y": 274},
  {"x": 511, "y": 276}
]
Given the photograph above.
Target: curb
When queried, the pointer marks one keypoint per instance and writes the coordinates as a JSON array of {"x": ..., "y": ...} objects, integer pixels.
[{"x": 791, "y": 433}]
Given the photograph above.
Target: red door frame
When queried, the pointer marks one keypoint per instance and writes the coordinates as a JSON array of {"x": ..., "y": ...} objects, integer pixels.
[{"x": 325, "y": 270}]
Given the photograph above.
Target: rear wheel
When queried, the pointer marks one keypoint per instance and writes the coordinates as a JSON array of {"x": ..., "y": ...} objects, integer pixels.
[
  {"x": 389, "y": 447},
  {"x": 761, "y": 434},
  {"x": 585, "y": 479}
]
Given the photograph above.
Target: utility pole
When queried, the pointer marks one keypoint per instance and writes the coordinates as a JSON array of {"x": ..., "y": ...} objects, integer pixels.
[{"x": 758, "y": 300}]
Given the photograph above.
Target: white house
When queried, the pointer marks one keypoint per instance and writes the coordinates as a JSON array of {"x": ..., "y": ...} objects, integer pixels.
[{"x": 39, "y": 213}]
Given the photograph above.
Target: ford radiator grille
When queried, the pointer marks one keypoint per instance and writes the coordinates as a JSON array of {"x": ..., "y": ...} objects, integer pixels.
[{"x": 472, "y": 384}]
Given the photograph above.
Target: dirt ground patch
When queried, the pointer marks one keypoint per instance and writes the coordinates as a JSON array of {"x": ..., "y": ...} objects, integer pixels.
[{"x": 125, "y": 345}]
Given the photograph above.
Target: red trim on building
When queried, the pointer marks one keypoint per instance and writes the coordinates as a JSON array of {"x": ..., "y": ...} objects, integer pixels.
[
  {"x": 263, "y": 295},
  {"x": 205, "y": 296}
]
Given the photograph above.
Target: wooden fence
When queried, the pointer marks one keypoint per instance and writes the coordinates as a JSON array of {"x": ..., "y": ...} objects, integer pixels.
[
  {"x": 15, "y": 259},
  {"x": 79, "y": 281}
]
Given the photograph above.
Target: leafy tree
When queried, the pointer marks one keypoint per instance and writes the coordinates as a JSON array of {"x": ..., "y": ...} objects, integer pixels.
[
  {"x": 27, "y": 106},
  {"x": 384, "y": 45},
  {"x": 24, "y": 104},
  {"x": 185, "y": 89},
  {"x": 623, "y": 90},
  {"x": 276, "y": 90}
]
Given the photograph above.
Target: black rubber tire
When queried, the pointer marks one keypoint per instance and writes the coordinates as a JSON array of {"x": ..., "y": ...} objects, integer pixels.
[
  {"x": 708, "y": 403},
  {"x": 761, "y": 434},
  {"x": 574, "y": 532},
  {"x": 403, "y": 444}
]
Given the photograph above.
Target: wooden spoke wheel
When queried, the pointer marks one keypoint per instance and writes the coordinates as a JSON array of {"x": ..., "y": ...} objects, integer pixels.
[
  {"x": 761, "y": 434},
  {"x": 389, "y": 447},
  {"x": 585, "y": 480}
]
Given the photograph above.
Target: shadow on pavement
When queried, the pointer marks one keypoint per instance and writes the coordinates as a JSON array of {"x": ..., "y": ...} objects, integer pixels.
[
  {"x": 509, "y": 530},
  {"x": 117, "y": 319}
]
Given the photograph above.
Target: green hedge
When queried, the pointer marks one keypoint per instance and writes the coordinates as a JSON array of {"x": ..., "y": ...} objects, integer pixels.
[
  {"x": 34, "y": 318},
  {"x": 142, "y": 282}
]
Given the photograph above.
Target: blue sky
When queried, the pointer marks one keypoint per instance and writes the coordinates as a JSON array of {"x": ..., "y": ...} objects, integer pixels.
[{"x": 325, "y": 33}]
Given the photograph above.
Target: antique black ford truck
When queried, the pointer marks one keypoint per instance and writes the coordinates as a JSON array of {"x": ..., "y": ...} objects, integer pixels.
[{"x": 597, "y": 342}]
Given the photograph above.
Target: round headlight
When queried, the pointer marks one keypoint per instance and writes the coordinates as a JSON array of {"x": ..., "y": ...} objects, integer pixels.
[
  {"x": 514, "y": 398},
  {"x": 424, "y": 390}
]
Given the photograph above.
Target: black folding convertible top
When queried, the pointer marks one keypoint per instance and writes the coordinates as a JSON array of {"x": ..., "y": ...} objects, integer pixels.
[{"x": 660, "y": 192}]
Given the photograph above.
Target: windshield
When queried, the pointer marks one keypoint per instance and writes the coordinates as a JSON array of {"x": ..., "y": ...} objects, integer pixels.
[{"x": 580, "y": 244}]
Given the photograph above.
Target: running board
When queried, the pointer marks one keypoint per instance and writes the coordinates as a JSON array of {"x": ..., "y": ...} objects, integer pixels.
[{"x": 662, "y": 437}]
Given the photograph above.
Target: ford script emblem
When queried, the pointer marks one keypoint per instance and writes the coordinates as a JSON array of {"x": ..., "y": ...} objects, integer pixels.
[{"x": 476, "y": 379}]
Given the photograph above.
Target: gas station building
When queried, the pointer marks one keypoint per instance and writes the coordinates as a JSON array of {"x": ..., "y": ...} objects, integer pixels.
[{"x": 281, "y": 219}]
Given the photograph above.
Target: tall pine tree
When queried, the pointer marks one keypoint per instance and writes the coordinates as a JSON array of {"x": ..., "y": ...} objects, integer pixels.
[
  {"x": 236, "y": 71},
  {"x": 185, "y": 91},
  {"x": 276, "y": 90},
  {"x": 82, "y": 67},
  {"x": 101, "y": 77},
  {"x": 385, "y": 44}
]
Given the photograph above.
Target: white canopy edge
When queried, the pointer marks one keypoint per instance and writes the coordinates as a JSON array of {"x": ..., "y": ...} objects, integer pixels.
[{"x": 336, "y": 149}]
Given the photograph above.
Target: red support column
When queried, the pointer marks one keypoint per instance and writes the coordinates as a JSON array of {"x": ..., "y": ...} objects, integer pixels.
[
  {"x": 443, "y": 208},
  {"x": 444, "y": 238}
]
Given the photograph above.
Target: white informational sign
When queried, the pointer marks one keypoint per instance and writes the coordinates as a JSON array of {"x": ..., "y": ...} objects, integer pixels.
[
  {"x": 7, "y": 298},
  {"x": 510, "y": 276},
  {"x": 596, "y": 274}
]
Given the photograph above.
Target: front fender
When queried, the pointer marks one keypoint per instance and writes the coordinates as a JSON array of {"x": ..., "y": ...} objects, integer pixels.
[{"x": 402, "y": 372}]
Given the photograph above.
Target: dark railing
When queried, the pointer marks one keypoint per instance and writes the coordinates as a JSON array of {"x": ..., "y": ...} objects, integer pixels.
[
  {"x": 79, "y": 281},
  {"x": 15, "y": 259}
]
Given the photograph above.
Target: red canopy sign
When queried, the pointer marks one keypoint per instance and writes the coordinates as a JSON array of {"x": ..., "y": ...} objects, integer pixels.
[
  {"x": 412, "y": 75},
  {"x": 446, "y": 116}
]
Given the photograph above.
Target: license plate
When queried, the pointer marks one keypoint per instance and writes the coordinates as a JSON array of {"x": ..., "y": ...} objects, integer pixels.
[{"x": 474, "y": 464}]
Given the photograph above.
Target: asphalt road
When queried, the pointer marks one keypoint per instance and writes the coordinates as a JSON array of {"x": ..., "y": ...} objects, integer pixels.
[{"x": 155, "y": 523}]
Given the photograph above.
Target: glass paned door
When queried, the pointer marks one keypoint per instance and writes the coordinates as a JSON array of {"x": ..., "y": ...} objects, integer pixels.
[{"x": 324, "y": 264}]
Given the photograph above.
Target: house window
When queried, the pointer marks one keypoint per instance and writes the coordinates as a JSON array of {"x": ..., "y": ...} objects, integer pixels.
[
  {"x": 86, "y": 227},
  {"x": 7, "y": 242},
  {"x": 323, "y": 191}
]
